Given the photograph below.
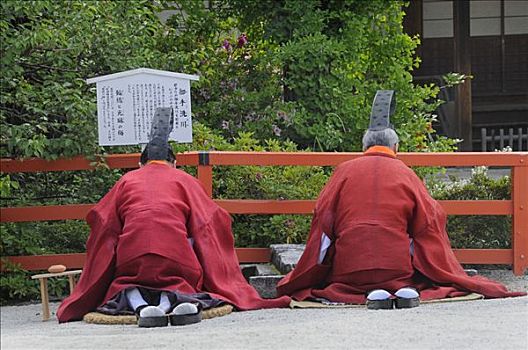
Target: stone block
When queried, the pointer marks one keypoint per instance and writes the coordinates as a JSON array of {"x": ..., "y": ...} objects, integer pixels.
[
  {"x": 266, "y": 286},
  {"x": 286, "y": 256},
  {"x": 250, "y": 270}
]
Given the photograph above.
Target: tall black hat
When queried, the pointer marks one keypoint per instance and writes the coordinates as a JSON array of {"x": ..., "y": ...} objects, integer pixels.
[
  {"x": 382, "y": 108},
  {"x": 161, "y": 127}
]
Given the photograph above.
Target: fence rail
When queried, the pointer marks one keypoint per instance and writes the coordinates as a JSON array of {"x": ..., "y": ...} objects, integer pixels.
[
  {"x": 517, "y": 207},
  {"x": 515, "y": 138}
]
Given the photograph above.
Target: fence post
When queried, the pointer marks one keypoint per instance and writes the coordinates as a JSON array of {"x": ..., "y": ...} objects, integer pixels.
[
  {"x": 520, "y": 216},
  {"x": 205, "y": 172}
]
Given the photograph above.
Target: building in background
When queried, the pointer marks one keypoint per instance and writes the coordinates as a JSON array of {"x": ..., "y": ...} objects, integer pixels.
[{"x": 488, "y": 40}]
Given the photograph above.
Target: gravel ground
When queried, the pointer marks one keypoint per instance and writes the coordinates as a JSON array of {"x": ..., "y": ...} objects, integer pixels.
[{"x": 481, "y": 324}]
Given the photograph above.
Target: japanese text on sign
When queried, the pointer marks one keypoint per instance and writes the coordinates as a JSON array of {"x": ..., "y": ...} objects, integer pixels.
[{"x": 126, "y": 106}]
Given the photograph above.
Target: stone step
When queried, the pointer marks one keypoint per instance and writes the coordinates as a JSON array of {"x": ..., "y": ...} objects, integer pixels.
[
  {"x": 250, "y": 270},
  {"x": 263, "y": 277},
  {"x": 266, "y": 286},
  {"x": 286, "y": 256}
]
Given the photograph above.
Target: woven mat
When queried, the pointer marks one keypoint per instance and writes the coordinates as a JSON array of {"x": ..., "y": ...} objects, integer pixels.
[
  {"x": 98, "y": 318},
  {"x": 313, "y": 304}
]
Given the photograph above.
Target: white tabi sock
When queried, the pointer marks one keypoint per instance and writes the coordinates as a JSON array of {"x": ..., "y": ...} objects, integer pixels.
[
  {"x": 407, "y": 293},
  {"x": 151, "y": 311},
  {"x": 378, "y": 294},
  {"x": 185, "y": 309},
  {"x": 134, "y": 298},
  {"x": 164, "y": 302}
]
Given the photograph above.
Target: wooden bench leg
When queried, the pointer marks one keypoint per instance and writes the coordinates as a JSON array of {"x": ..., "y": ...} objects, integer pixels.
[
  {"x": 71, "y": 280},
  {"x": 43, "y": 279},
  {"x": 45, "y": 298}
]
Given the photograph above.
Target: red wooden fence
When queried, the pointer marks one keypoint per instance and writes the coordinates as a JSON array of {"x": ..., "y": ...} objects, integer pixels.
[{"x": 517, "y": 207}]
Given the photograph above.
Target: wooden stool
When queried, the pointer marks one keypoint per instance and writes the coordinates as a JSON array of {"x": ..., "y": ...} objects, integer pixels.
[{"x": 43, "y": 279}]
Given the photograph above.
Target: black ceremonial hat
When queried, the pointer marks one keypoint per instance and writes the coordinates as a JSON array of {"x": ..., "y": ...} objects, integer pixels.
[
  {"x": 161, "y": 127},
  {"x": 382, "y": 108}
]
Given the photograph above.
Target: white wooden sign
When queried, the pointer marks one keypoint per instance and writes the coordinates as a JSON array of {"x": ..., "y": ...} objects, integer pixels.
[{"x": 126, "y": 103}]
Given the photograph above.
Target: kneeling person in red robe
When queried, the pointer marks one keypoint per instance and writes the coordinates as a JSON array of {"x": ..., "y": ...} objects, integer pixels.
[
  {"x": 158, "y": 244},
  {"x": 377, "y": 232}
]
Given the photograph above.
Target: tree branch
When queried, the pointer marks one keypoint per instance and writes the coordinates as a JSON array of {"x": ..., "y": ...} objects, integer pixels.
[{"x": 47, "y": 67}]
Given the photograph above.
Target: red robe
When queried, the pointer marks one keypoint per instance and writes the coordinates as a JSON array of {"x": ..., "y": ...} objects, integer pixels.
[
  {"x": 370, "y": 209},
  {"x": 151, "y": 212}
]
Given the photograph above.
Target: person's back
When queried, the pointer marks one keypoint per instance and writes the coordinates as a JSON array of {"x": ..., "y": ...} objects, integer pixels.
[
  {"x": 154, "y": 210},
  {"x": 370, "y": 180},
  {"x": 158, "y": 243},
  {"x": 152, "y": 188},
  {"x": 377, "y": 234},
  {"x": 373, "y": 215}
]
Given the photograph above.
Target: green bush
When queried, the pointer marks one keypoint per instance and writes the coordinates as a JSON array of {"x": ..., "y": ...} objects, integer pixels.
[
  {"x": 48, "y": 50},
  {"x": 470, "y": 231},
  {"x": 305, "y": 71},
  {"x": 16, "y": 285},
  {"x": 47, "y": 237},
  {"x": 260, "y": 182}
]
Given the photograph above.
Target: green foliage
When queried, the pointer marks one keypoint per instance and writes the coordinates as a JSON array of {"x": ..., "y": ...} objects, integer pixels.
[
  {"x": 291, "y": 70},
  {"x": 453, "y": 79},
  {"x": 32, "y": 238},
  {"x": 259, "y": 182},
  {"x": 332, "y": 56},
  {"x": 16, "y": 285},
  {"x": 36, "y": 238},
  {"x": 48, "y": 50},
  {"x": 54, "y": 188},
  {"x": 50, "y": 237},
  {"x": 305, "y": 71},
  {"x": 7, "y": 185},
  {"x": 477, "y": 231},
  {"x": 239, "y": 89}
]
